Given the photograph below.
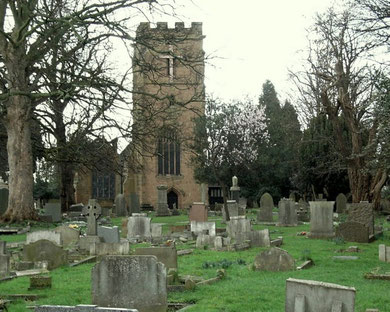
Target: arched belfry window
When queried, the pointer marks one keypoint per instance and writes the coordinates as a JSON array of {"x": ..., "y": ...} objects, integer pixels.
[{"x": 168, "y": 153}]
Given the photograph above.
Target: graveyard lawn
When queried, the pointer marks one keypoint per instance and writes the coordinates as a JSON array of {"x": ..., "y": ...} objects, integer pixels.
[{"x": 243, "y": 289}]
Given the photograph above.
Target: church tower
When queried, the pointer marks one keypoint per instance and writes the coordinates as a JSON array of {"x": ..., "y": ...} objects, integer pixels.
[{"x": 168, "y": 93}]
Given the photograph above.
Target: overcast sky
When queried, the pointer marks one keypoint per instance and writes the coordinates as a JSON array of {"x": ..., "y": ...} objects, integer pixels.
[{"x": 250, "y": 41}]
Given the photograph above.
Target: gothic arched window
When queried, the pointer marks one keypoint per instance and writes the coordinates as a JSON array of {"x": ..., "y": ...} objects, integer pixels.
[{"x": 168, "y": 153}]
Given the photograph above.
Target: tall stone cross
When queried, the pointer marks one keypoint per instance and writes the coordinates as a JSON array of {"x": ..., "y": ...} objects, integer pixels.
[{"x": 93, "y": 212}]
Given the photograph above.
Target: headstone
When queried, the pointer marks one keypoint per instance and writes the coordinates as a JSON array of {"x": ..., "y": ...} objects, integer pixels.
[
  {"x": 352, "y": 231},
  {"x": 44, "y": 234},
  {"x": 68, "y": 234},
  {"x": 203, "y": 192},
  {"x": 44, "y": 250},
  {"x": 93, "y": 211},
  {"x": 40, "y": 282},
  {"x": 238, "y": 224},
  {"x": 235, "y": 189},
  {"x": 203, "y": 227},
  {"x": 162, "y": 201},
  {"x": 341, "y": 203},
  {"x": 120, "y": 205},
  {"x": 266, "y": 206},
  {"x": 384, "y": 253},
  {"x": 165, "y": 255},
  {"x": 53, "y": 210},
  {"x": 314, "y": 296},
  {"x": 233, "y": 209},
  {"x": 108, "y": 234},
  {"x": 156, "y": 229},
  {"x": 4, "y": 192},
  {"x": 138, "y": 227},
  {"x": 274, "y": 259},
  {"x": 321, "y": 219},
  {"x": 134, "y": 206},
  {"x": 86, "y": 241},
  {"x": 198, "y": 212},
  {"x": 257, "y": 238},
  {"x": 292, "y": 197},
  {"x": 302, "y": 209},
  {"x": 130, "y": 282},
  {"x": 101, "y": 248},
  {"x": 203, "y": 240},
  {"x": 77, "y": 207},
  {"x": 287, "y": 213},
  {"x": 79, "y": 308},
  {"x": 4, "y": 260},
  {"x": 363, "y": 213}
]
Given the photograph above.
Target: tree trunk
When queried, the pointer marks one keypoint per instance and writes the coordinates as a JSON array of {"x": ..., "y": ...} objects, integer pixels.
[
  {"x": 225, "y": 207},
  {"x": 20, "y": 160},
  {"x": 359, "y": 183},
  {"x": 376, "y": 187},
  {"x": 66, "y": 185}
]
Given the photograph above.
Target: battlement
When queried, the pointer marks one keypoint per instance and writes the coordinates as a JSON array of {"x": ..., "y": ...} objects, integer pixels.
[{"x": 162, "y": 27}]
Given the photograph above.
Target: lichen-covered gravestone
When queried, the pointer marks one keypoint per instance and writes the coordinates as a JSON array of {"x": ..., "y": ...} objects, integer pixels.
[
  {"x": 4, "y": 260},
  {"x": 44, "y": 250},
  {"x": 93, "y": 211},
  {"x": 352, "y": 231},
  {"x": 134, "y": 282},
  {"x": 341, "y": 203},
  {"x": 266, "y": 206},
  {"x": 363, "y": 213},
  {"x": 120, "y": 205},
  {"x": 139, "y": 227},
  {"x": 274, "y": 259},
  {"x": 287, "y": 213},
  {"x": 321, "y": 219},
  {"x": 165, "y": 255}
]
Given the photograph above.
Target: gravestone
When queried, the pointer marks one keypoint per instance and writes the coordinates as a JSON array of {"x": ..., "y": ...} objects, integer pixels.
[
  {"x": 302, "y": 208},
  {"x": 198, "y": 212},
  {"x": 384, "y": 253},
  {"x": 139, "y": 227},
  {"x": 287, "y": 213},
  {"x": 274, "y": 259},
  {"x": 120, "y": 206},
  {"x": 363, "y": 213},
  {"x": 137, "y": 282},
  {"x": 236, "y": 225},
  {"x": 108, "y": 234},
  {"x": 165, "y": 255},
  {"x": 203, "y": 192},
  {"x": 53, "y": 210},
  {"x": 4, "y": 260},
  {"x": 44, "y": 250},
  {"x": 321, "y": 219},
  {"x": 93, "y": 211},
  {"x": 266, "y": 206},
  {"x": 162, "y": 201},
  {"x": 352, "y": 231},
  {"x": 203, "y": 227},
  {"x": 68, "y": 234},
  {"x": 235, "y": 190},
  {"x": 134, "y": 206},
  {"x": 341, "y": 203},
  {"x": 203, "y": 240},
  {"x": 4, "y": 192},
  {"x": 314, "y": 296},
  {"x": 44, "y": 234},
  {"x": 233, "y": 209},
  {"x": 257, "y": 238},
  {"x": 101, "y": 248},
  {"x": 156, "y": 229}
]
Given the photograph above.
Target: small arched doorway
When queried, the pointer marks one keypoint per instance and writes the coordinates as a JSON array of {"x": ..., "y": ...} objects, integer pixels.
[{"x": 173, "y": 199}]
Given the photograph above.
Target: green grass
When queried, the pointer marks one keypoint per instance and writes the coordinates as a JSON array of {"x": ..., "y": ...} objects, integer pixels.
[{"x": 242, "y": 289}]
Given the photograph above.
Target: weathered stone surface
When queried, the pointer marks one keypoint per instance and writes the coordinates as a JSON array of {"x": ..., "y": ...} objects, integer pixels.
[
  {"x": 314, "y": 296},
  {"x": 100, "y": 249},
  {"x": 287, "y": 213},
  {"x": 363, "y": 213},
  {"x": 345, "y": 257},
  {"x": 203, "y": 227},
  {"x": 198, "y": 212},
  {"x": 138, "y": 227},
  {"x": 205, "y": 240},
  {"x": 79, "y": 308},
  {"x": 384, "y": 253},
  {"x": 134, "y": 206},
  {"x": 238, "y": 225},
  {"x": 108, "y": 234},
  {"x": 4, "y": 265},
  {"x": 165, "y": 255},
  {"x": 86, "y": 241},
  {"x": 341, "y": 203},
  {"x": 321, "y": 219},
  {"x": 266, "y": 206},
  {"x": 53, "y": 210},
  {"x": 93, "y": 211},
  {"x": 40, "y": 282},
  {"x": 353, "y": 232},
  {"x": 120, "y": 206},
  {"x": 156, "y": 229},
  {"x": 44, "y": 250},
  {"x": 44, "y": 234},
  {"x": 68, "y": 234},
  {"x": 24, "y": 265},
  {"x": 130, "y": 282},
  {"x": 258, "y": 238},
  {"x": 274, "y": 259},
  {"x": 162, "y": 201}
]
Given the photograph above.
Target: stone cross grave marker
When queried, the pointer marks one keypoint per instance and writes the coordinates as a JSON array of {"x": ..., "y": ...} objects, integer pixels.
[
  {"x": 235, "y": 189},
  {"x": 93, "y": 211}
]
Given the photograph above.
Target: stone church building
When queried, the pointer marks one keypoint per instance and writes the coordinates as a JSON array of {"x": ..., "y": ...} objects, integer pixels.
[{"x": 168, "y": 93}]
